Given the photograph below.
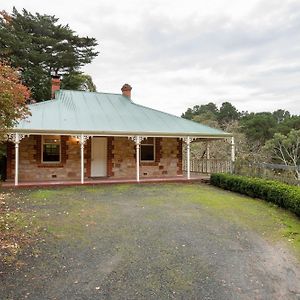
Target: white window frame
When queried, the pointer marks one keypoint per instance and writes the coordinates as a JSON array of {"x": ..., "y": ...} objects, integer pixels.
[
  {"x": 141, "y": 146},
  {"x": 43, "y": 143}
]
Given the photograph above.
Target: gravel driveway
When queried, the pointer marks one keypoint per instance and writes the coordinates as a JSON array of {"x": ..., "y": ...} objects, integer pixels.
[{"x": 163, "y": 241}]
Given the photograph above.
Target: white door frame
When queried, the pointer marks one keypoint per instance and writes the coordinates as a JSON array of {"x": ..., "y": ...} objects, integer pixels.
[{"x": 99, "y": 157}]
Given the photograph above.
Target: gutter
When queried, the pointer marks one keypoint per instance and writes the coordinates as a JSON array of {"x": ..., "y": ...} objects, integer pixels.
[{"x": 120, "y": 133}]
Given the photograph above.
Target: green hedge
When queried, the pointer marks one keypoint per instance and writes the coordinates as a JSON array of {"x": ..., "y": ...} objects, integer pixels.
[{"x": 279, "y": 193}]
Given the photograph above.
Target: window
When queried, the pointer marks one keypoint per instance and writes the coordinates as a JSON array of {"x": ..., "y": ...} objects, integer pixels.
[
  {"x": 51, "y": 148},
  {"x": 147, "y": 150}
]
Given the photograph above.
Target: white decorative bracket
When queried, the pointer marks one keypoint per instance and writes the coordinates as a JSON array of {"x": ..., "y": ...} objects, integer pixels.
[
  {"x": 82, "y": 138},
  {"x": 137, "y": 139},
  {"x": 16, "y": 137},
  {"x": 188, "y": 139}
]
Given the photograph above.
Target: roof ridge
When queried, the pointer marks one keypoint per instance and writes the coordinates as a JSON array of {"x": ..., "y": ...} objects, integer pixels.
[
  {"x": 69, "y": 91},
  {"x": 89, "y": 92}
]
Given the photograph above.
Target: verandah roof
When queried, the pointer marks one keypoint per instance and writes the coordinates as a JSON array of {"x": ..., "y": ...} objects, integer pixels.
[{"x": 107, "y": 114}]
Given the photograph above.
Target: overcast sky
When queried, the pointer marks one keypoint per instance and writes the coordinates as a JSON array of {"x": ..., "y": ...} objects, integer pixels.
[{"x": 177, "y": 54}]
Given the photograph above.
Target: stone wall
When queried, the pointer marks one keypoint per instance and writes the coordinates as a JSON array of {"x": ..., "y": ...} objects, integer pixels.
[
  {"x": 168, "y": 158},
  {"x": 121, "y": 160},
  {"x": 32, "y": 169}
]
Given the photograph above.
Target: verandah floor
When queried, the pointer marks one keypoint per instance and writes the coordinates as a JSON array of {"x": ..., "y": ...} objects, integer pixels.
[{"x": 106, "y": 180}]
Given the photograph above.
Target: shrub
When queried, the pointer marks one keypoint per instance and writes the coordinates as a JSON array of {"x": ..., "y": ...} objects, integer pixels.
[{"x": 279, "y": 193}]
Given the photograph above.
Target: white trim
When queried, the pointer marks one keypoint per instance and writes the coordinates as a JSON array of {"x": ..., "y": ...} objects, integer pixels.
[
  {"x": 42, "y": 150},
  {"x": 136, "y": 138},
  {"x": 126, "y": 134},
  {"x": 137, "y": 162},
  {"x": 207, "y": 150},
  {"x": 16, "y": 139},
  {"x": 154, "y": 148},
  {"x": 188, "y": 156},
  {"x": 81, "y": 141},
  {"x": 105, "y": 174},
  {"x": 17, "y": 159},
  {"x": 232, "y": 150},
  {"x": 129, "y": 135}
]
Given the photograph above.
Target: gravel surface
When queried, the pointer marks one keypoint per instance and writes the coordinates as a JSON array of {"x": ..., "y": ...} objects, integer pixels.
[{"x": 146, "y": 242}]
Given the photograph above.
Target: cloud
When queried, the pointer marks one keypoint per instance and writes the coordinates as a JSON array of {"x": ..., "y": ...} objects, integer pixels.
[{"x": 178, "y": 54}]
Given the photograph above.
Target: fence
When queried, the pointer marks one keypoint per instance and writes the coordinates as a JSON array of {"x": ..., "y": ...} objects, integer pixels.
[
  {"x": 208, "y": 166},
  {"x": 278, "y": 172}
]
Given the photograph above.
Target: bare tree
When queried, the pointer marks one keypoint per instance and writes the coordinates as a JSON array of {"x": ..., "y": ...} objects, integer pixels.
[{"x": 286, "y": 149}]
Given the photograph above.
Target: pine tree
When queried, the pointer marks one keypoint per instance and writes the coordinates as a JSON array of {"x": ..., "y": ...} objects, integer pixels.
[{"x": 41, "y": 47}]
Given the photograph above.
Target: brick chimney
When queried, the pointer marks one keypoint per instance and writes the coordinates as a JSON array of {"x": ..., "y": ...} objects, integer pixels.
[
  {"x": 126, "y": 90},
  {"x": 55, "y": 85}
]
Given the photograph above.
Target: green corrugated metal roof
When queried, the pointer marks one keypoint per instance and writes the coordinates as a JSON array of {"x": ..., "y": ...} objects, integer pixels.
[{"x": 107, "y": 114}]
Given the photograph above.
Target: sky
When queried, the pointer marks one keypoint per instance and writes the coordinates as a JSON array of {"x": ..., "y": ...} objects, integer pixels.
[{"x": 176, "y": 54}]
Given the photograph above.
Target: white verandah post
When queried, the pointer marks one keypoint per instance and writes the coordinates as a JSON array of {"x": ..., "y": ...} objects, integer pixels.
[
  {"x": 137, "y": 142},
  {"x": 208, "y": 164},
  {"x": 232, "y": 154},
  {"x": 137, "y": 139},
  {"x": 82, "y": 139},
  {"x": 188, "y": 155},
  {"x": 17, "y": 142},
  {"x": 207, "y": 150},
  {"x": 16, "y": 138},
  {"x": 82, "y": 158}
]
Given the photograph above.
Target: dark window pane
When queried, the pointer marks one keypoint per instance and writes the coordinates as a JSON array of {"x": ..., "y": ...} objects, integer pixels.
[
  {"x": 51, "y": 152},
  {"x": 147, "y": 152}
]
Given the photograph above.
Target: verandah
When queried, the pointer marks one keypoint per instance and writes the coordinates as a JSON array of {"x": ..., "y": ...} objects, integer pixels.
[{"x": 16, "y": 138}]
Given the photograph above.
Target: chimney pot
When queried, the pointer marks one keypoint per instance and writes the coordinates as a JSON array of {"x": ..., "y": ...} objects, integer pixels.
[
  {"x": 55, "y": 85},
  {"x": 126, "y": 90}
]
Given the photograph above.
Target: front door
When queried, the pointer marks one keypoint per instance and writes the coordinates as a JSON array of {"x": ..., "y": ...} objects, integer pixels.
[{"x": 99, "y": 157}]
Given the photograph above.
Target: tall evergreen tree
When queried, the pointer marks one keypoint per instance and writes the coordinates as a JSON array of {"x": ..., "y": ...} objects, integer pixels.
[
  {"x": 199, "y": 110},
  {"x": 259, "y": 127},
  {"x": 227, "y": 114},
  {"x": 41, "y": 47}
]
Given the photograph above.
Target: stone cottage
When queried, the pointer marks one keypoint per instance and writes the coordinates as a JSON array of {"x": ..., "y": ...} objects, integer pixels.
[{"x": 81, "y": 135}]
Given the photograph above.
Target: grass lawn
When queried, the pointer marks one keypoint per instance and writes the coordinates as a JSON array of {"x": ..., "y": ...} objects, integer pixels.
[{"x": 142, "y": 241}]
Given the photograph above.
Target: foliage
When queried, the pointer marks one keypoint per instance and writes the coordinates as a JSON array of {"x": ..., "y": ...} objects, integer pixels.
[
  {"x": 281, "y": 115},
  {"x": 197, "y": 110},
  {"x": 270, "y": 171},
  {"x": 207, "y": 118},
  {"x": 285, "y": 149},
  {"x": 13, "y": 96},
  {"x": 281, "y": 194},
  {"x": 288, "y": 124},
  {"x": 227, "y": 114},
  {"x": 41, "y": 47},
  {"x": 251, "y": 130},
  {"x": 220, "y": 149},
  {"x": 79, "y": 82},
  {"x": 258, "y": 127}
]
